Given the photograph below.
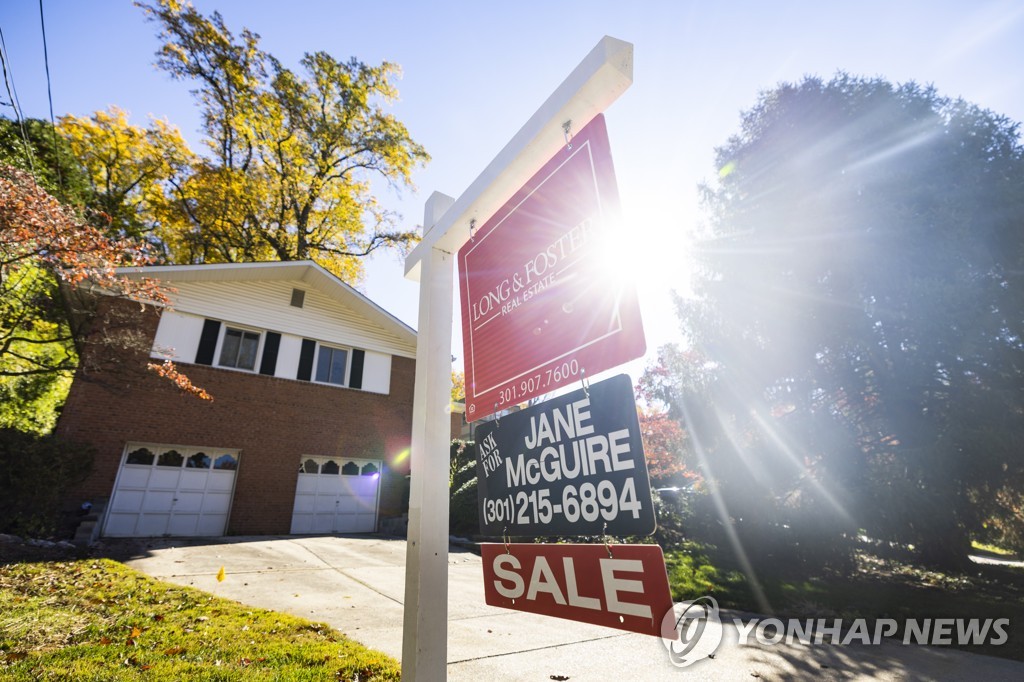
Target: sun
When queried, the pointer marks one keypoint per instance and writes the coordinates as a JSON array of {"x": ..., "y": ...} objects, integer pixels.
[{"x": 651, "y": 249}]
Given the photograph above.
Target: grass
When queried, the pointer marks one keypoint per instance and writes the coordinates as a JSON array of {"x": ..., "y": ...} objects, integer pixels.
[
  {"x": 100, "y": 620},
  {"x": 878, "y": 588}
]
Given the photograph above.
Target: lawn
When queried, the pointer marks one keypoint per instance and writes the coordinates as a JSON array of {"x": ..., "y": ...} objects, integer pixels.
[
  {"x": 96, "y": 619},
  {"x": 879, "y": 588}
]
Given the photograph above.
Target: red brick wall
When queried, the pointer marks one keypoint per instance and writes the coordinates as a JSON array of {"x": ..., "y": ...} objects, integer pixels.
[{"x": 271, "y": 421}]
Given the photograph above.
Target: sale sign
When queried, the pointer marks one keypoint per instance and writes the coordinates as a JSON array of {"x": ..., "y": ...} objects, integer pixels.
[
  {"x": 544, "y": 302},
  {"x": 572, "y": 465},
  {"x": 618, "y": 586}
]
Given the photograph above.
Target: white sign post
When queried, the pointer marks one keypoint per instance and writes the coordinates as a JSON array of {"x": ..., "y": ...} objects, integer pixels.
[{"x": 600, "y": 78}]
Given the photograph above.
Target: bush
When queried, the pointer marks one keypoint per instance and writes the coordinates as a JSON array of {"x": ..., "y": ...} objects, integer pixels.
[
  {"x": 35, "y": 474},
  {"x": 463, "y": 515}
]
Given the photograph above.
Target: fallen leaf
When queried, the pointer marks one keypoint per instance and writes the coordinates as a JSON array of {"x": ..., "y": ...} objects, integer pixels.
[
  {"x": 158, "y": 617},
  {"x": 559, "y": 678},
  {"x": 174, "y": 651},
  {"x": 135, "y": 632},
  {"x": 104, "y": 640},
  {"x": 220, "y": 575}
]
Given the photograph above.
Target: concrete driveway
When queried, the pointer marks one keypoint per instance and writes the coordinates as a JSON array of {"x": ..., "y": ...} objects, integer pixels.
[{"x": 357, "y": 584}]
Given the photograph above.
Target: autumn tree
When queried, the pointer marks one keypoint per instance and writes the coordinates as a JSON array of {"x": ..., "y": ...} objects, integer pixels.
[
  {"x": 856, "y": 355},
  {"x": 130, "y": 171},
  {"x": 664, "y": 447},
  {"x": 35, "y": 377},
  {"x": 291, "y": 155},
  {"x": 52, "y": 264}
]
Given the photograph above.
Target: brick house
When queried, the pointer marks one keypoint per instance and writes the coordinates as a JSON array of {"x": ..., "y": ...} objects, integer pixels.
[{"x": 310, "y": 424}]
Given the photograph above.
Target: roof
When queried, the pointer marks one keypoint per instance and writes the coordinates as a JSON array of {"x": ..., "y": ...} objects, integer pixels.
[{"x": 306, "y": 272}]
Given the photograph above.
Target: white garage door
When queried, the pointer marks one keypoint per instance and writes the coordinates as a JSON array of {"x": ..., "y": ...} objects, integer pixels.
[
  {"x": 336, "y": 495},
  {"x": 171, "y": 490}
]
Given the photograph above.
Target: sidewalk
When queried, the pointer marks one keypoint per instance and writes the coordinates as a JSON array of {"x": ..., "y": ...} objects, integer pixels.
[{"x": 357, "y": 584}]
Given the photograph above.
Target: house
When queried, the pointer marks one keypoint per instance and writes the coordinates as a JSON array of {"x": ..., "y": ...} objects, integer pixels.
[{"x": 310, "y": 423}]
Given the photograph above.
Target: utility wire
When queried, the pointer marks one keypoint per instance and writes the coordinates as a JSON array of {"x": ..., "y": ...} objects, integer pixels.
[
  {"x": 12, "y": 93},
  {"x": 49, "y": 95}
]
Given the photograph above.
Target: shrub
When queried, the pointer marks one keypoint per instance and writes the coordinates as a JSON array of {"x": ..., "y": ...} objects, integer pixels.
[
  {"x": 35, "y": 474},
  {"x": 463, "y": 517}
]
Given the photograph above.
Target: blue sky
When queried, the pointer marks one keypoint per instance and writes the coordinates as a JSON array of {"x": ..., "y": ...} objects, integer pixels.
[{"x": 474, "y": 72}]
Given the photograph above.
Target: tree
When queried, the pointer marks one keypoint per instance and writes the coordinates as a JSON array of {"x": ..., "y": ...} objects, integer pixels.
[
  {"x": 35, "y": 378},
  {"x": 856, "y": 339},
  {"x": 291, "y": 156},
  {"x": 51, "y": 265},
  {"x": 130, "y": 170},
  {"x": 34, "y": 145},
  {"x": 663, "y": 447},
  {"x": 458, "y": 387}
]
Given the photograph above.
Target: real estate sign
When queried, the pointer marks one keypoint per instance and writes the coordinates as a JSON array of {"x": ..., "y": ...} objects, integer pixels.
[
  {"x": 543, "y": 301},
  {"x": 618, "y": 586},
  {"x": 573, "y": 465}
]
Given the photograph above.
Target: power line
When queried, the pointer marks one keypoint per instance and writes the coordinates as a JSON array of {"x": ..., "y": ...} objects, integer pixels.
[
  {"x": 12, "y": 93},
  {"x": 49, "y": 95}
]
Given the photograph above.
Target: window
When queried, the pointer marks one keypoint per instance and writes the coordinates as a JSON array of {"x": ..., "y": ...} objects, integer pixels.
[
  {"x": 170, "y": 458},
  {"x": 142, "y": 456},
  {"x": 333, "y": 466},
  {"x": 200, "y": 460},
  {"x": 239, "y": 348},
  {"x": 226, "y": 461},
  {"x": 179, "y": 457},
  {"x": 331, "y": 365}
]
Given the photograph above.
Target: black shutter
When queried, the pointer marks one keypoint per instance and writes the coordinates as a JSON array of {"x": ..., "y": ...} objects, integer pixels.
[
  {"x": 306, "y": 360},
  {"x": 355, "y": 379},
  {"x": 208, "y": 342},
  {"x": 268, "y": 365}
]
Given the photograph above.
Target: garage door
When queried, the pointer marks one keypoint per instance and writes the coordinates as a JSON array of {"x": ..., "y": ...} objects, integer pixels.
[
  {"x": 171, "y": 490},
  {"x": 336, "y": 496}
]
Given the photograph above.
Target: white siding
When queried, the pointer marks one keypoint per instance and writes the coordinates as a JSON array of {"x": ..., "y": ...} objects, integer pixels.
[
  {"x": 288, "y": 357},
  {"x": 377, "y": 373},
  {"x": 266, "y": 305},
  {"x": 177, "y": 337}
]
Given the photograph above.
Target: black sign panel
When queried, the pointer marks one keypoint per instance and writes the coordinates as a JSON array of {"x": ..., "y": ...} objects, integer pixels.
[{"x": 573, "y": 465}]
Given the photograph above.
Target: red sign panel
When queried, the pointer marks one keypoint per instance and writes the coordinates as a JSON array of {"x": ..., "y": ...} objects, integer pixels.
[
  {"x": 618, "y": 586},
  {"x": 544, "y": 302}
]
